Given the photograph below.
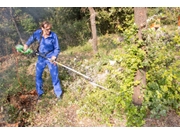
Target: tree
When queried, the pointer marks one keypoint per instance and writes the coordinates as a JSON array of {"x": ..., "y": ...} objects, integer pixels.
[
  {"x": 19, "y": 34},
  {"x": 93, "y": 29},
  {"x": 140, "y": 14}
]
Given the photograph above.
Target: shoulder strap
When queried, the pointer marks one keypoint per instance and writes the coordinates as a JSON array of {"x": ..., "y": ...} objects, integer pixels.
[{"x": 39, "y": 42}]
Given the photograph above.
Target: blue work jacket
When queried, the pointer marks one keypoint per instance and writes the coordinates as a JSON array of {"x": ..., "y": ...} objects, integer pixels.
[{"x": 49, "y": 44}]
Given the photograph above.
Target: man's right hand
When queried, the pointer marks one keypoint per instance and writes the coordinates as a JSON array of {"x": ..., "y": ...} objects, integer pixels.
[{"x": 25, "y": 47}]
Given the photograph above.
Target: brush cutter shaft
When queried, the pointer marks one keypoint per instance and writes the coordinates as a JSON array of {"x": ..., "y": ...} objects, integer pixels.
[
  {"x": 86, "y": 77},
  {"x": 97, "y": 85}
]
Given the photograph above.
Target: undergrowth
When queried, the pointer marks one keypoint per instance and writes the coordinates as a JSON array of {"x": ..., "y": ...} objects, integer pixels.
[
  {"x": 114, "y": 69},
  {"x": 162, "y": 76}
]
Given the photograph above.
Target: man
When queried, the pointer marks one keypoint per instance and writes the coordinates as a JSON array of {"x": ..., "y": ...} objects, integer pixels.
[{"x": 48, "y": 47}]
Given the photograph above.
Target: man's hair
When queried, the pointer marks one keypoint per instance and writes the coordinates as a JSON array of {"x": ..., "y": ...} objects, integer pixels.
[{"x": 45, "y": 22}]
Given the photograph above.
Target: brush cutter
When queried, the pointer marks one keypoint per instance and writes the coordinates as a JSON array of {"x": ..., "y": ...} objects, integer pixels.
[{"x": 20, "y": 49}]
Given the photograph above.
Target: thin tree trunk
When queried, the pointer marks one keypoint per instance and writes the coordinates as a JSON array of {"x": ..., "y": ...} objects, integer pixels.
[
  {"x": 140, "y": 20},
  {"x": 93, "y": 28},
  {"x": 16, "y": 25},
  {"x": 16, "y": 54}
]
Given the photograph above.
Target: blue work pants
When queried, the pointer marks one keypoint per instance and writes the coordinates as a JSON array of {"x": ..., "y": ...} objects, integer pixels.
[{"x": 53, "y": 69}]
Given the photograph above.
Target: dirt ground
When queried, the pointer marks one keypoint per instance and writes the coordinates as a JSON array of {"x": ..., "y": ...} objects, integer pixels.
[
  {"x": 171, "y": 120},
  {"x": 27, "y": 103}
]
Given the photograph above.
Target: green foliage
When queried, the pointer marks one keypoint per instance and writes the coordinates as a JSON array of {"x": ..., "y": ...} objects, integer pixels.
[
  {"x": 170, "y": 14},
  {"x": 12, "y": 113},
  {"x": 176, "y": 38},
  {"x": 25, "y": 20},
  {"x": 28, "y": 23},
  {"x": 114, "y": 19},
  {"x": 135, "y": 115},
  {"x": 162, "y": 73},
  {"x": 107, "y": 43},
  {"x": 71, "y": 27},
  {"x": 129, "y": 34}
]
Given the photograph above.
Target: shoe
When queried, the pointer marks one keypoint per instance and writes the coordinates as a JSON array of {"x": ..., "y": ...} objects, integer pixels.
[
  {"x": 58, "y": 99},
  {"x": 39, "y": 97}
]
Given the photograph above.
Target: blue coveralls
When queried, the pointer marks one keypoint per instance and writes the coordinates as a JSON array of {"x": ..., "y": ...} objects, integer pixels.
[{"x": 51, "y": 45}]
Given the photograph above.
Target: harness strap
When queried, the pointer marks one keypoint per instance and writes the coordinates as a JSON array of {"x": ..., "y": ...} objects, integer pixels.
[{"x": 39, "y": 43}]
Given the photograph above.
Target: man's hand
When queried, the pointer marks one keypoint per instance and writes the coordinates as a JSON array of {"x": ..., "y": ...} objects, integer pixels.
[
  {"x": 25, "y": 47},
  {"x": 53, "y": 58}
]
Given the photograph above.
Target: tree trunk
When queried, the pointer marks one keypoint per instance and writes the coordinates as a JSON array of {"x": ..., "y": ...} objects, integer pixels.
[
  {"x": 93, "y": 28},
  {"x": 140, "y": 14},
  {"x": 16, "y": 25},
  {"x": 140, "y": 19}
]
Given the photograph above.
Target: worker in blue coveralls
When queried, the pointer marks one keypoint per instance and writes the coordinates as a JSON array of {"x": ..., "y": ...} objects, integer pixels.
[{"x": 48, "y": 47}]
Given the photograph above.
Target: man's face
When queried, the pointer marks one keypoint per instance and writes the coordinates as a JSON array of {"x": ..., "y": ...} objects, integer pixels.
[{"x": 46, "y": 29}]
